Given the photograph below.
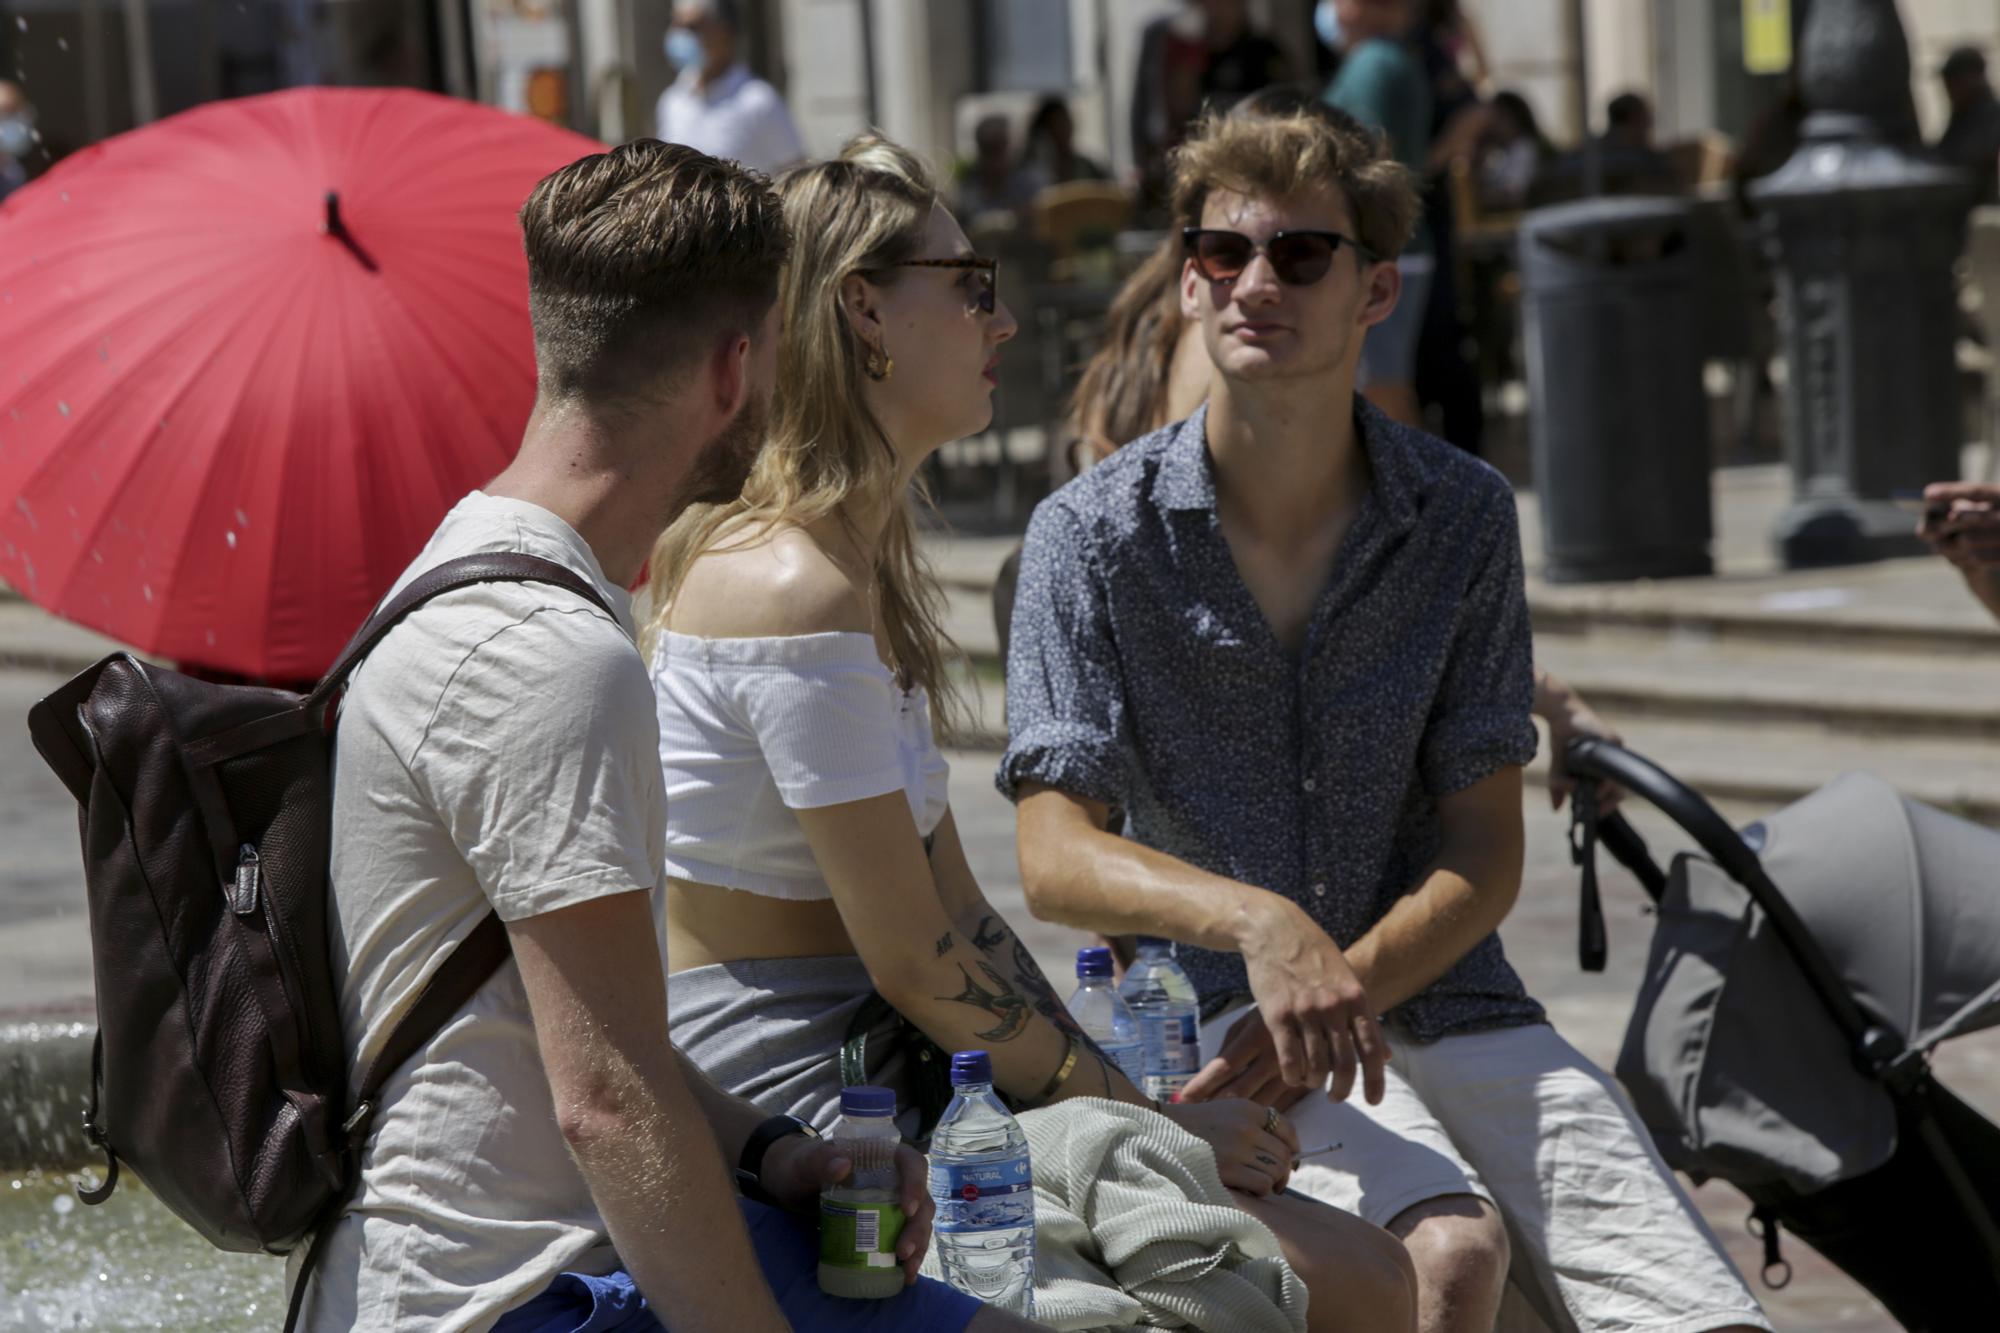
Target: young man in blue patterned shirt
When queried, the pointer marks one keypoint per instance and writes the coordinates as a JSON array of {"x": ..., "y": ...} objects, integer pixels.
[{"x": 1288, "y": 640}]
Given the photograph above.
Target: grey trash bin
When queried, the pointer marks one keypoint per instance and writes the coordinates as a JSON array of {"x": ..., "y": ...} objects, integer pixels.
[{"x": 1617, "y": 416}]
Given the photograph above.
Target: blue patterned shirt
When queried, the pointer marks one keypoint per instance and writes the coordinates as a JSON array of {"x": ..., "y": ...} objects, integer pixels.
[{"x": 1141, "y": 673}]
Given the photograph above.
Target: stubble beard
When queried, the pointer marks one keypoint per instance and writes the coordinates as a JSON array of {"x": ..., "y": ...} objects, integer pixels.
[{"x": 718, "y": 474}]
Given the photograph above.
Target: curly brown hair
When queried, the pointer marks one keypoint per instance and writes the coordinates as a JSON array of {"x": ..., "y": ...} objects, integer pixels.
[{"x": 1277, "y": 157}]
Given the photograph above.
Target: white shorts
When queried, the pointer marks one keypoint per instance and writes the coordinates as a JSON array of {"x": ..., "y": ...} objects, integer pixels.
[{"x": 1603, "y": 1236}]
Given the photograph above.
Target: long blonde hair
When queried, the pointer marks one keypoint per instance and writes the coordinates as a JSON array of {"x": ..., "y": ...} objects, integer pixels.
[{"x": 827, "y": 455}]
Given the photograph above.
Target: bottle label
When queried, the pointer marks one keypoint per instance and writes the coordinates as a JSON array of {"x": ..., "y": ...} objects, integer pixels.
[
  {"x": 982, "y": 1196},
  {"x": 1173, "y": 1044},
  {"x": 858, "y": 1235}
]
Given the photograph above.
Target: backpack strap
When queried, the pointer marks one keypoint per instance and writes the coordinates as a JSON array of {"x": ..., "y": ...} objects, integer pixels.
[
  {"x": 485, "y": 567},
  {"x": 455, "y": 982}
]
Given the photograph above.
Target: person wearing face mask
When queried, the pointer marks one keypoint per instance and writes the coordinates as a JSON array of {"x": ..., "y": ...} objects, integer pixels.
[
  {"x": 717, "y": 105},
  {"x": 17, "y": 137}
]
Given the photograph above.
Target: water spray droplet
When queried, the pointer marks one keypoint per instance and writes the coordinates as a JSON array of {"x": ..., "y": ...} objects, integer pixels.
[{"x": 230, "y": 537}]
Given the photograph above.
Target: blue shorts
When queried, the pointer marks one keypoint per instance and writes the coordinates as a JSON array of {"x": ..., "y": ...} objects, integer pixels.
[{"x": 788, "y": 1252}]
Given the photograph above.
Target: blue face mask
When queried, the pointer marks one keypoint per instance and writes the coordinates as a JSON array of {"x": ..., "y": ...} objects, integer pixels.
[
  {"x": 1326, "y": 22},
  {"x": 684, "y": 49},
  {"x": 17, "y": 136}
]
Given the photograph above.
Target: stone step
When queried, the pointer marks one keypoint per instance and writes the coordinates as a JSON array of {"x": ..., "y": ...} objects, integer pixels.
[
  {"x": 1801, "y": 617},
  {"x": 1773, "y": 765},
  {"x": 1696, "y": 675}
]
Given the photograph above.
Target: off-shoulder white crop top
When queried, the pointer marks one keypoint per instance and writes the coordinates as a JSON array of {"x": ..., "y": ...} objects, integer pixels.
[{"x": 752, "y": 729}]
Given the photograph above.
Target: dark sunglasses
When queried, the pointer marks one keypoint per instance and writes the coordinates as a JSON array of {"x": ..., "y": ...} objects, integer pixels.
[
  {"x": 1299, "y": 258},
  {"x": 986, "y": 272}
]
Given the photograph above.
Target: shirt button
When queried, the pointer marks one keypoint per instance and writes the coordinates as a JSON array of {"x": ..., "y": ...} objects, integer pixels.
[
  {"x": 1319, "y": 890},
  {"x": 1311, "y": 785}
]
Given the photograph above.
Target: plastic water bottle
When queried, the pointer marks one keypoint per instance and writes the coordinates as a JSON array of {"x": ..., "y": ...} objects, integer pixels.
[
  {"x": 984, "y": 1190},
  {"x": 861, "y": 1218},
  {"x": 1103, "y": 1014},
  {"x": 1169, "y": 1014}
]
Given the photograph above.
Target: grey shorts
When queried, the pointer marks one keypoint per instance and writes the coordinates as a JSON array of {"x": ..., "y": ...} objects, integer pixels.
[
  {"x": 770, "y": 1030},
  {"x": 1603, "y": 1237}
]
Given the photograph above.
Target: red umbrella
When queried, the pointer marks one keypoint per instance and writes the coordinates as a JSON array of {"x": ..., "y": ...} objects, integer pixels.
[{"x": 250, "y": 355}]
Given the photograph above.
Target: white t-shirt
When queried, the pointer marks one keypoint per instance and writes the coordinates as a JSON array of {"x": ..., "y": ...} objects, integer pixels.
[
  {"x": 738, "y": 117},
  {"x": 497, "y": 751}
]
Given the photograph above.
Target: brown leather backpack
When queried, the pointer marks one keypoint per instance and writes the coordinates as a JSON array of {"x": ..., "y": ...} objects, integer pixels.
[{"x": 220, "y": 1072}]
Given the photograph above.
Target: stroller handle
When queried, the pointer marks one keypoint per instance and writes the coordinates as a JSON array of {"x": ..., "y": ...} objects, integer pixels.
[{"x": 1875, "y": 1046}]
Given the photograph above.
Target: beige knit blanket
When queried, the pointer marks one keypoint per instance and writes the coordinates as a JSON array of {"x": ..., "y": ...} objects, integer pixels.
[{"x": 1134, "y": 1229}]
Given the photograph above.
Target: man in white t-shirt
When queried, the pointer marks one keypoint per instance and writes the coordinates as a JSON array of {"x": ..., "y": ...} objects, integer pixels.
[
  {"x": 717, "y": 104},
  {"x": 548, "y": 1157}
]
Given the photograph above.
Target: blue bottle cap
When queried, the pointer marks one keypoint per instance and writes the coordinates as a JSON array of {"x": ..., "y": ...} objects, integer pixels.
[
  {"x": 971, "y": 1067},
  {"x": 867, "y": 1101},
  {"x": 1094, "y": 961}
]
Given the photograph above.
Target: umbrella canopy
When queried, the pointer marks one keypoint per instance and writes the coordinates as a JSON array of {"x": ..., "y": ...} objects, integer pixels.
[{"x": 251, "y": 355}]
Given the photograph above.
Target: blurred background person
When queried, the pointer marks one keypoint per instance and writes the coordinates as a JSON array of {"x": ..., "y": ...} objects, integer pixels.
[
  {"x": 1447, "y": 380},
  {"x": 995, "y": 181},
  {"x": 715, "y": 104},
  {"x": 1382, "y": 84},
  {"x": 1239, "y": 59},
  {"x": 1512, "y": 151},
  {"x": 1632, "y": 162},
  {"x": 1050, "y": 151},
  {"x": 17, "y": 136},
  {"x": 1971, "y": 138},
  {"x": 1166, "y": 93}
]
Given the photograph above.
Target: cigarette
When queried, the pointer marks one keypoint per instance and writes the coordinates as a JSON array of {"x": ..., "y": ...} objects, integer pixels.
[{"x": 1314, "y": 1152}]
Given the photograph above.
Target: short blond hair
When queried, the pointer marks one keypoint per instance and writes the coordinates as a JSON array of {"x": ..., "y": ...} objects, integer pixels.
[
  {"x": 1279, "y": 157},
  {"x": 638, "y": 257}
]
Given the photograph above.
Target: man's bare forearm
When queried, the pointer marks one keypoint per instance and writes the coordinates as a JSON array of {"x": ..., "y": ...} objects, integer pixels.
[
  {"x": 650, "y": 1167},
  {"x": 1085, "y": 877},
  {"x": 1464, "y": 896},
  {"x": 1424, "y": 934}
]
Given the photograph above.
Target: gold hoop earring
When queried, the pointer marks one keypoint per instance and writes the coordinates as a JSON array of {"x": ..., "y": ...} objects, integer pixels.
[{"x": 879, "y": 365}]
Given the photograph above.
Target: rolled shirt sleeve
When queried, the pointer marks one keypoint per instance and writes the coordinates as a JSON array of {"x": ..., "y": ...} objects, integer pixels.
[
  {"x": 1065, "y": 694},
  {"x": 1481, "y": 720}
]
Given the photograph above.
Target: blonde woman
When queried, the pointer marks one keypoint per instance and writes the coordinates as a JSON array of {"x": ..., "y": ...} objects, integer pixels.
[{"x": 797, "y": 656}]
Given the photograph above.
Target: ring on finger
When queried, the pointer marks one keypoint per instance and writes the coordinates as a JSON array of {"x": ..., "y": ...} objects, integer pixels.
[{"x": 1271, "y": 1119}]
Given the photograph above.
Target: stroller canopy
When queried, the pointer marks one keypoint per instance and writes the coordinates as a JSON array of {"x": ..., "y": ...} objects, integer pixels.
[
  {"x": 1904, "y": 899},
  {"x": 1734, "y": 1062}
]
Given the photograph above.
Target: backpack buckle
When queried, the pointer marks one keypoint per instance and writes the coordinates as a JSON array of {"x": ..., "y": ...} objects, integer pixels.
[
  {"x": 356, "y": 1124},
  {"x": 242, "y": 891}
]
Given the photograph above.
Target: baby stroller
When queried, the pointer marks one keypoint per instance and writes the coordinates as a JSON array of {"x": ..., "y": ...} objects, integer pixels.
[{"x": 1782, "y": 1036}]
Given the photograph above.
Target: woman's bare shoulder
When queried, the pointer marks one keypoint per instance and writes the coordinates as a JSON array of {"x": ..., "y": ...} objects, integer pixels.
[{"x": 774, "y": 582}]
